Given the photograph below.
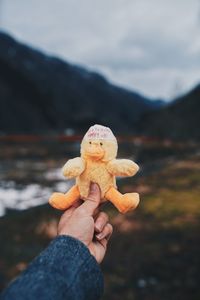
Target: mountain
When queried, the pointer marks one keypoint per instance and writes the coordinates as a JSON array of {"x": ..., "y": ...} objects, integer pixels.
[
  {"x": 179, "y": 120},
  {"x": 40, "y": 93}
]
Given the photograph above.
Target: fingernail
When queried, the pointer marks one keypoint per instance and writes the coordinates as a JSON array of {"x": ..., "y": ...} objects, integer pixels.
[
  {"x": 98, "y": 226},
  {"x": 100, "y": 236},
  {"x": 93, "y": 187}
]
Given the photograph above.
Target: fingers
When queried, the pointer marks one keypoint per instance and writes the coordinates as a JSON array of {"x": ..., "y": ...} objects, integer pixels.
[
  {"x": 99, "y": 246},
  {"x": 105, "y": 233},
  {"x": 101, "y": 221},
  {"x": 92, "y": 201},
  {"x": 97, "y": 210},
  {"x": 102, "y": 241}
]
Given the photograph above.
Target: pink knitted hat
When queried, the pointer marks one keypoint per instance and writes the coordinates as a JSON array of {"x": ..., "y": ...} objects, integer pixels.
[{"x": 99, "y": 132}]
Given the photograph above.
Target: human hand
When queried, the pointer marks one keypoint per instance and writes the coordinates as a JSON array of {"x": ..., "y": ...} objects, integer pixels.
[{"x": 85, "y": 223}]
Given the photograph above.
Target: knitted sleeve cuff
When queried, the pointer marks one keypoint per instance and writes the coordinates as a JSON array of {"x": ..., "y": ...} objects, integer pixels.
[{"x": 70, "y": 260}]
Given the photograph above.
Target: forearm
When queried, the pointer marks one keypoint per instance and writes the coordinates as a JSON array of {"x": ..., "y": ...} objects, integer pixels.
[{"x": 65, "y": 270}]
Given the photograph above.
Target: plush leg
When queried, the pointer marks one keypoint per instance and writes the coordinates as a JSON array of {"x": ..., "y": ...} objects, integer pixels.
[
  {"x": 124, "y": 202},
  {"x": 63, "y": 201}
]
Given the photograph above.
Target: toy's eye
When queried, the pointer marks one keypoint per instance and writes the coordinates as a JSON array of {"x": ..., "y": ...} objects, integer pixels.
[
  {"x": 90, "y": 143},
  {"x": 101, "y": 144}
]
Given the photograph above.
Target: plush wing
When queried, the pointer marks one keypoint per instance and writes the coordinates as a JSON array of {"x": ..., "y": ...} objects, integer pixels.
[
  {"x": 122, "y": 167},
  {"x": 73, "y": 167}
]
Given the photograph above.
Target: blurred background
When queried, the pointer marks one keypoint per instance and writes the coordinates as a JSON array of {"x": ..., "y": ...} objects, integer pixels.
[{"x": 132, "y": 65}]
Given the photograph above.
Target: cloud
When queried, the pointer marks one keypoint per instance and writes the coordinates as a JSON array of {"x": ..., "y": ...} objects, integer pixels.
[{"x": 146, "y": 45}]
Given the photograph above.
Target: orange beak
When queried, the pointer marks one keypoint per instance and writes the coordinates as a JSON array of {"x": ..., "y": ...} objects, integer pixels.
[{"x": 95, "y": 151}]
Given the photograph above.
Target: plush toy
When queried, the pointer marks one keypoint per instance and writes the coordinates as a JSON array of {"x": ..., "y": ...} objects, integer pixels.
[{"x": 98, "y": 164}]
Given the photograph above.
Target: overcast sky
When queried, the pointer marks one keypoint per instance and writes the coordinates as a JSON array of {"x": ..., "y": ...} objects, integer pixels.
[{"x": 150, "y": 46}]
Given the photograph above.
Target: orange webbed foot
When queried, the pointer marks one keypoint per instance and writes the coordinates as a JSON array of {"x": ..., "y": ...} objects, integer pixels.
[
  {"x": 123, "y": 203},
  {"x": 63, "y": 201}
]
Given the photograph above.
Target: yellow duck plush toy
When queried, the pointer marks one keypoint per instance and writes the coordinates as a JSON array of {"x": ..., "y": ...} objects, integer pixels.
[{"x": 97, "y": 164}]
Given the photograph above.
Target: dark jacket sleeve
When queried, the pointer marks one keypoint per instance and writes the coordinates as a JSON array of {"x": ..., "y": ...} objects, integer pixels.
[{"x": 64, "y": 270}]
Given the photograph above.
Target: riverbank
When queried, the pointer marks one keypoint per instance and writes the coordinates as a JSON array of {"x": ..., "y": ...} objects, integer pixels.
[{"x": 154, "y": 252}]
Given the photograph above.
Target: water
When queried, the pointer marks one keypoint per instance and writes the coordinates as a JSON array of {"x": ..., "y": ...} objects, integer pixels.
[
  {"x": 18, "y": 196},
  {"x": 31, "y": 171}
]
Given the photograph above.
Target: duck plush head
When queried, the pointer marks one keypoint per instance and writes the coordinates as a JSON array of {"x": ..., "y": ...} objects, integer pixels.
[{"x": 97, "y": 163}]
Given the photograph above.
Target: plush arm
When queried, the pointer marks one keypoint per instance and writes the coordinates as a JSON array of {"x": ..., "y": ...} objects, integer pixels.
[
  {"x": 73, "y": 167},
  {"x": 122, "y": 167}
]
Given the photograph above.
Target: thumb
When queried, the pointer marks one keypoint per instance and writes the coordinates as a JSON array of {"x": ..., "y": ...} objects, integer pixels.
[{"x": 92, "y": 201}]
